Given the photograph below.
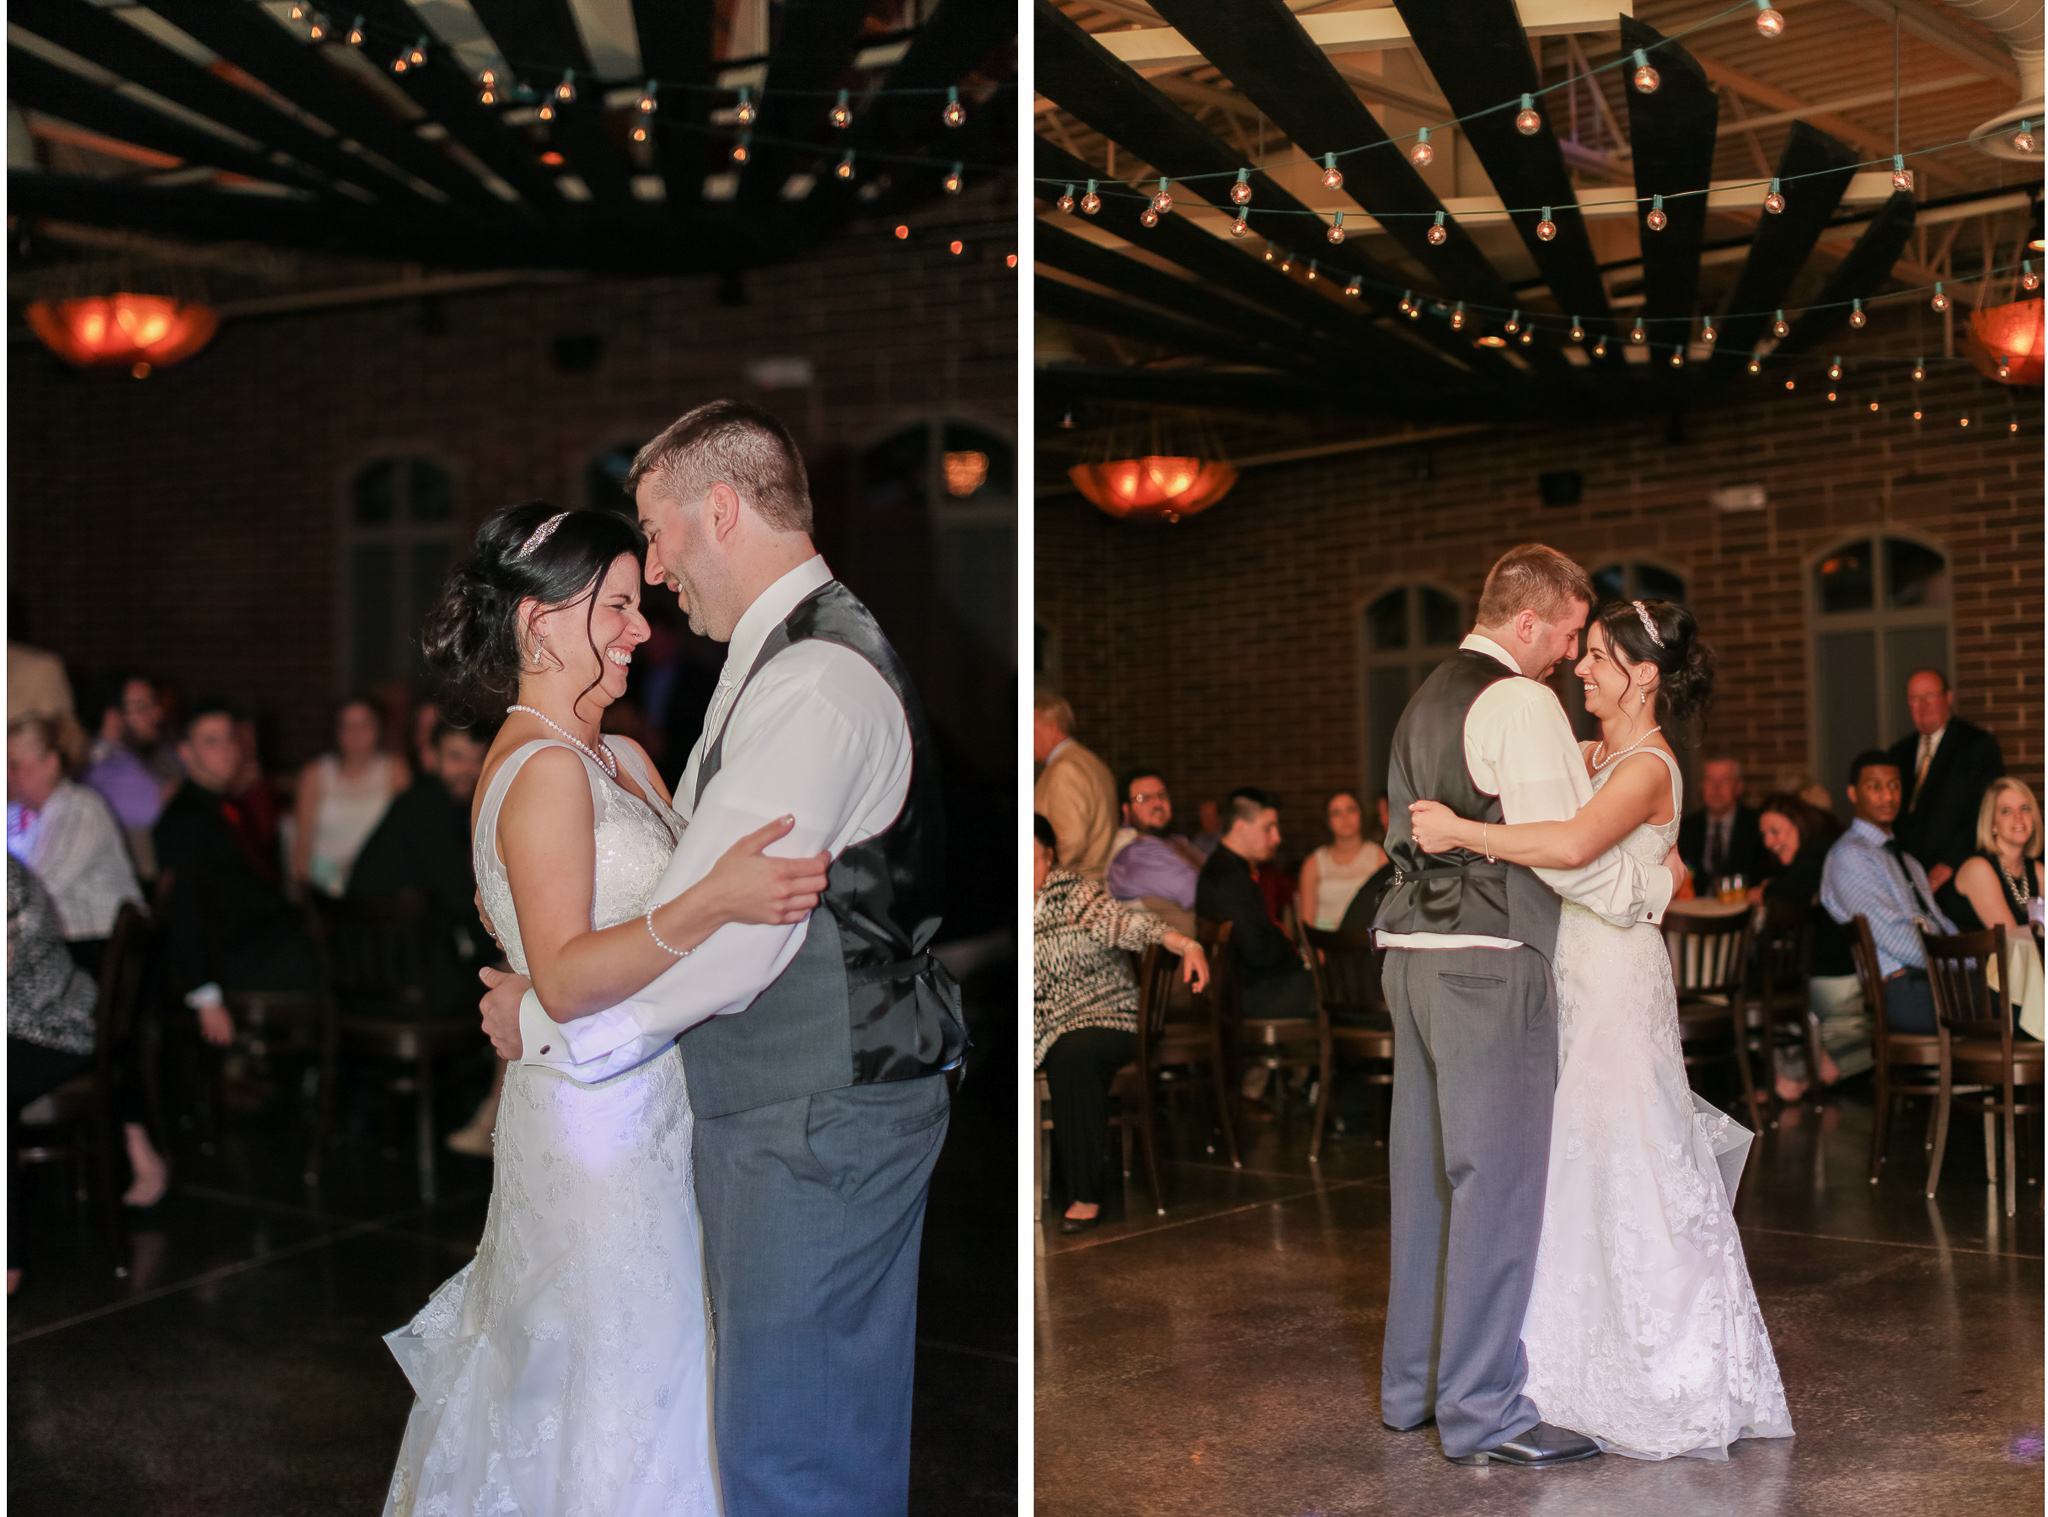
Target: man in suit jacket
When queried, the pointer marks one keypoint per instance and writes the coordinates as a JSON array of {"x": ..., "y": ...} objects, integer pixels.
[
  {"x": 1074, "y": 790},
  {"x": 1945, "y": 765},
  {"x": 1271, "y": 978},
  {"x": 1724, "y": 837}
]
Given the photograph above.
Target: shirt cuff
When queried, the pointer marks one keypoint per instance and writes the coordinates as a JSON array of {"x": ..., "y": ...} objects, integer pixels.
[
  {"x": 540, "y": 1037},
  {"x": 1657, "y": 893},
  {"x": 206, "y": 995}
]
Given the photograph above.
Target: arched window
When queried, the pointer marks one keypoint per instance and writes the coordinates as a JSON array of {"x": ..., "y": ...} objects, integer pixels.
[
  {"x": 1407, "y": 633},
  {"x": 400, "y": 542},
  {"x": 1879, "y": 609}
]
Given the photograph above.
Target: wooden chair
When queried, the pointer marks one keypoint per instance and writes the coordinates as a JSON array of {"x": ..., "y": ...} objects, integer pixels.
[
  {"x": 1784, "y": 1002},
  {"x": 1709, "y": 967},
  {"x": 1204, "y": 1037},
  {"x": 1275, "y": 1043},
  {"x": 1904, "y": 1064},
  {"x": 1133, "y": 1085},
  {"x": 372, "y": 952},
  {"x": 1352, "y": 1014},
  {"x": 269, "y": 1024},
  {"x": 1976, "y": 1046},
  {"x": 78, "y": 1116}
]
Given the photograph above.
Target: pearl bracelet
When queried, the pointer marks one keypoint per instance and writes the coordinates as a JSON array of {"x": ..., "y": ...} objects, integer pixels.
[{"x": 680, "y": 953}]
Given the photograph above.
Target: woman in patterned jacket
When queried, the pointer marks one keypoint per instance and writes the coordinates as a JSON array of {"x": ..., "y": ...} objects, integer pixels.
[{"x": 1085, "y": 1009}]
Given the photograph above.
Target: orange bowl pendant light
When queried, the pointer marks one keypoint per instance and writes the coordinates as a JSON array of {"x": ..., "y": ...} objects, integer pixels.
[
  {"x": 2008, "y": 336},
  {"x": 135, "y": 332},
  {"x": 1156, "y": 487}
]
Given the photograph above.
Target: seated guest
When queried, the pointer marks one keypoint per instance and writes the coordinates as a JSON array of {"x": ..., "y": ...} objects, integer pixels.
[
  {"x": 342, "y": 796},
  {"x": 1084, "y": 1009},
  {"x": 1154, "y": 868},
  {"x": 1271, "y": 979},
  {"x": 1332, "y": 875},
  {"x": 70, "y": 840},
  {"x": 262, "y": 942},
  {"x": 1798, "y": 836},
  {"x": 126, "y": 721},
  {"x": 254, "y": 803},
  {"x": 1721, "y": 840},
  {"x": 1868, "y": 874},
  {"x": 38, "y": 686},
  {"x": 2000, "y": 884},
  {"x": 1073, "y": 791},
  {"x": 1945, "y": 765}
]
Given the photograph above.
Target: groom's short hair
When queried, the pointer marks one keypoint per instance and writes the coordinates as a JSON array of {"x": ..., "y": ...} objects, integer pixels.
[
  {"x": 740, "y": 444},
  {"x": 1531, "y": 577}
]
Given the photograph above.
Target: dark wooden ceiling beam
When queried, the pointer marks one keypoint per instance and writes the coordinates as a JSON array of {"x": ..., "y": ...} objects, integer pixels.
[
  {"x": 675, "y": 47},
  {"x": 261, "y": 48},
  {"x": 1672, "y": 134},
  {"x": 814, "y": 46},
  {"x": 1063, "y": 385},
  {"x": 539, "y": 39},
  {"x": 1857, "y": 277},
  {"x": 1101, "y": 313}
]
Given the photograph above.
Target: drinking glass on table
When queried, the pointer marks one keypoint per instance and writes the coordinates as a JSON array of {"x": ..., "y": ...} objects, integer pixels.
[{"x": 1733, "y": 889}]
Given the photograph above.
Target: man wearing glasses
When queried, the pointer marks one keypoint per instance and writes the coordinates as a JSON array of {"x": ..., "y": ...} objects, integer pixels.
[{"x": 1151, "y": 865}]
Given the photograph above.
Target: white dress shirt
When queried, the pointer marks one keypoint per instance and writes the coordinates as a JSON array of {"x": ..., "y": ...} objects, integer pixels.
[
  {"x": 819, "y": 734},
  {"x": 77, "y": 851},
  {"x": 1519, "y": 747}
]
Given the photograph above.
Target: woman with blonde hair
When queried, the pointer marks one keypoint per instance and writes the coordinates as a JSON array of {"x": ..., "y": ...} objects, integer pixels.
[{"x": 2001, "y": 881}]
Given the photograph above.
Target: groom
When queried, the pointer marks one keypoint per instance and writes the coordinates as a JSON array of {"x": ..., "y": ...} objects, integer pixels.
[
  {"x": 1468, "y": 979},
  {"x": 818, "y": 1083}
]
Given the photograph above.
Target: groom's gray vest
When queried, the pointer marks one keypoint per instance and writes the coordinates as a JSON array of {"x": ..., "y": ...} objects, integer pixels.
[
  {"x": 1457, "y": 891},
  {"x": 862, "y": 1002}
]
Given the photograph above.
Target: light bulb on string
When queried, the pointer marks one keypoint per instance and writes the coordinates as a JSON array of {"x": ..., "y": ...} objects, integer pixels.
[
  {"x": 1656, "y": 220},
  {"x": 487, "y": 93},
  {"x": 1336, "y": 232},
  {"x": 1162, "y": 200},
  {"x": 1527, "y": 121},
  {"x": 1311, "y": 271},
  {"x": 1756, "y": 366},
  {"x": 1774, "y": 199},
  {"x": 1780, "y": 328},
  {"x": 355, "y": 33},
  {"x": 298, "y": 12},
  {"x": 1600, "y": 348},
  {"x": 1940, "y": 301},
  {"x": 741, "y": 150},
  {"x": 842, "y": 113},
  {"x": 1678, "y": 358},
  {"x": 564, "y": 92},
  {"x": 743, "y": 113},
  {"x": 1791, "y": 384},
  {"x": 1148, "y": 217},
  {"x": 1241, "y": 192},
  {"x": 1458, "y": 317},
  {"x": 1708, "y": 335},
  {"x": 1646, "y": 78},
  {"x": 2023, "y": 139},
  {"x": 1546, "y": 229},
  {"x": 952, "y": 179},
  {"x": 647, "y": 100},
  {"x": 1065, "y": 204},
  {"x": 545, "y": 113},
  {"x": 1832, "y": 396},
  {"x": 1916, "y": 415},
  {"x": 1286, "y": 261},
  {"x": 1856, "y": 317},
  {"x": 1578, "y": 331},
  {"x": 955, "y": 113},
  {"x": 1415, "y": 312},
  {"x": 2004, "y": 367},
  {"x": 318, "y": 29},
  {"x": 2013, "y": 425},
  {"x": 1768, "y": 22},
  {"x": 1333, "y": 177},
  {"x": 1272, "y": 252},
  {"x": 1514, "y": 322},
  {"x": 1354, "y": 289},
  {"x": 1528, "y": 336},
  {"x": 845, "y": 171},
  {"x": 1919, "y": 369},
  {"x": 1835, "y": 368},
  {"x": 639, "y": 134},
  {"x": 1407, "y": 300},
  {"x": 1637, "y": 335},
  {"x": 1421, "y": 154},
  {"x": 1962, "y": 421},
  {"x": 1437, "y": 234},
  {"x": 1902, "y": 177},
  {"x": 400, "y": 64},
  {"x": 1873, "y": 405},
  {"x": 1091, "y": 202},
  {"x": 1240, "y": 228},
  {"x": 2029, "y": 280}
]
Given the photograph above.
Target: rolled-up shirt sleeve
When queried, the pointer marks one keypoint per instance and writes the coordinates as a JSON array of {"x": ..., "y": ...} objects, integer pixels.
[
  {"x": 1519, "y": 747},
  {"x": 826, "y": 742}
]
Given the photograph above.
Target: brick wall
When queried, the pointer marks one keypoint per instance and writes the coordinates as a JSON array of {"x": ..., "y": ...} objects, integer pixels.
[
  {"x": 191, "y": 523},
  {"x": 1227, "y": 649}
]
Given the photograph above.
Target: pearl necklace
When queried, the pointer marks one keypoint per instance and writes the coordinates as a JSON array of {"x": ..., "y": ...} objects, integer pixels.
[
  {"x": 600, "y": 755},
  {"x": 2022, "y": 886},
  {"x": 1602, "y": 763}
]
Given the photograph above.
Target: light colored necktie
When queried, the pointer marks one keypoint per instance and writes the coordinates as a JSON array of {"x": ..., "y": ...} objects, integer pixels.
[{"x": 1920, "y": 768}]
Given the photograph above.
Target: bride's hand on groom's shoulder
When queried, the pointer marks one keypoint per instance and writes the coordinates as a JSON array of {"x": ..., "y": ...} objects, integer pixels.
[
  {"x": 754, "y": 887},
  {"x": 500, "y": 1007},
  {"x": 1429, "y": 822}
]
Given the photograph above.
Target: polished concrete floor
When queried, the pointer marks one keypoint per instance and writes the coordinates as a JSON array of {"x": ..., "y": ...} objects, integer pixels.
[
  {"x": 1224, "y": 1358},
  {"x": 238, "y": 1368}
]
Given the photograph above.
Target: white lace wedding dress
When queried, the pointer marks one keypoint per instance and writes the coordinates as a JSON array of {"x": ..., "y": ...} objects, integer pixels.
[
  {"x": 1643, "y": 1331},
  {"x": 565, "y": 1371}
]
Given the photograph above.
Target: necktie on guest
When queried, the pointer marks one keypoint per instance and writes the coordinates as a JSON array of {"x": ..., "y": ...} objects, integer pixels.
[
  {"x": 1920, "y": 768},
  {"x": 1897, "y": 850}
]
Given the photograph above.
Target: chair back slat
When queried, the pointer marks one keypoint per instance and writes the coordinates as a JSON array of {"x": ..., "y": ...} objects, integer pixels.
[
  {"x": 373, "y": 952},
  {"x": 1785, "y": 951},
  {"x": 1958, "y": 973},
  {"x": 1709, "y": 955},
  {"x": 1220, "y": 1001},
  {"x": 1345, "y": 969}
]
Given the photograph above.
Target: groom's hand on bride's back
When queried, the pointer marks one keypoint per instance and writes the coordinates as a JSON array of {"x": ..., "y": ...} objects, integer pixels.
[
  {"x": 752, "y": 886},
  {"x": 500, "y": 1008}
]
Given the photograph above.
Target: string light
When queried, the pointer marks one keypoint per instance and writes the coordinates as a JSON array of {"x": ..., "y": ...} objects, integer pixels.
[
  {"x": 1600, "y": 347},
  {"x": 903, "y": 234},
  {"x": 1919, "y": 373},
  {"x": 1916, "y": 416},
  {"x": 1162, "y": 202},
  {"x": 1832, "y": 396},
  {"x": 1963, "y": 421},
  {"x": 1578, "y": 331},
  {"x": 1527, "y": 122},
  {"x": 418, "y": 55},
  {"x": 741, "y": 150},
  {"x": 1756, "y": 366},
  {"x": 1240, "y": 228},
  {"x": 2029, "y": 280},
  {"x": 1708, "y": 335},
  {"x": 647, "y": 102},
  {"x": 1272, "y": 252},
  {"x": 1646, "y": 78},
  {"x": 1458, "y": 318},
  {"x": 842, "y": 114},
  {"x": 1768, "y": 21},
  {"x": 1940, "y": 301},
  {"x": 1333, "y": 177},
  {"x": 1902, "y": 177},
  {"x": 1336, "y": 232},
  {"x": 564, "y": 92},
  {"x": 1422, "y": 152},
  {"x": 1354, "y": 289},
  {"x": 1065, "y": 204},
  {"x": 845, "y": 171},
  {"x": 1241, "y": 192},
  {"x": 1091, "y": 202},
  {"x": 2004, "y": 367},
  {"x": 1546, "y": 228},
  {"x": 1514, "y": 322},
  {"x": 1437, "y": 234},
  {"x": 1856, "y": 317},
  {"x": 1656, "y": 219},
  {"x": 355, "y": 33},
  {"x": 956, "y": 247},
  {"x": 298, "y": 12},
  {"x": 1779, "y": 327},
  {"x": 952, "y": 179},
  {"x": 1678, "y": 358},
  {"x": 2023, "y": 139},
  {"x": 954, "y": 114},
  {"x": 1415, "y": 311},
  {"x": 488, "y": 95},
  {"x": 639, "y": 134},
  {"x": 1791, "y": 384},
  {"x": 1774, "y": 199},
  {"x": 1148, "y": 217},
  {"x": 1835, "y": 368},
  {"x": 404, "y": 61},
  {"x": 546, "y": 111},
  {"x": 1286, "y": 261},
  {"x": 1873, "y": 405},
  {"x": 743, "y": 113},
  {"x": 1637, "y": 334},
  {"x": 318, "y": 28},
  {"x": 2013, "y": 425},
  {"x": 1407, "y": 300},
  {"x": 1311, "y": 271},
  {"x": 1527, "y": 337}
]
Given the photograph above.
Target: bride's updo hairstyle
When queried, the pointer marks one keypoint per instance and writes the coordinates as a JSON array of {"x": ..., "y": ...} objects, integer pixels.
[
  {"x": 471, "y": 637},
  {"x": 1684, "y": 664}
]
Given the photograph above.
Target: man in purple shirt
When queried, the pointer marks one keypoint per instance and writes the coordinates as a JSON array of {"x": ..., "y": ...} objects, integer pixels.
[
  {"x": 1154, "y": 867},
  {"x": 126, "y": 719}
]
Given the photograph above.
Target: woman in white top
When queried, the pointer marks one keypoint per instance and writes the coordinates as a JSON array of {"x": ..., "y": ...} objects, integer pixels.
[
  {"x": 1332, "y": 875},
  {"x": 342, "y": 797}
]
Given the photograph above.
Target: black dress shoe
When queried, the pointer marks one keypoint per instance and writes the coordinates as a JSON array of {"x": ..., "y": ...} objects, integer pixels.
[
  {"x": 1080, "y": 1224},
  {"x": 1413, "y": 1427},
  {"x": 1541, "y": 1446}
]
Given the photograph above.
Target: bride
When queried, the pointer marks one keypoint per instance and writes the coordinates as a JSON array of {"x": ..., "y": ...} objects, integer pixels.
[
  {"x": 1642, "y": 1331},
  {"x": 566, "y": 1369}
]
